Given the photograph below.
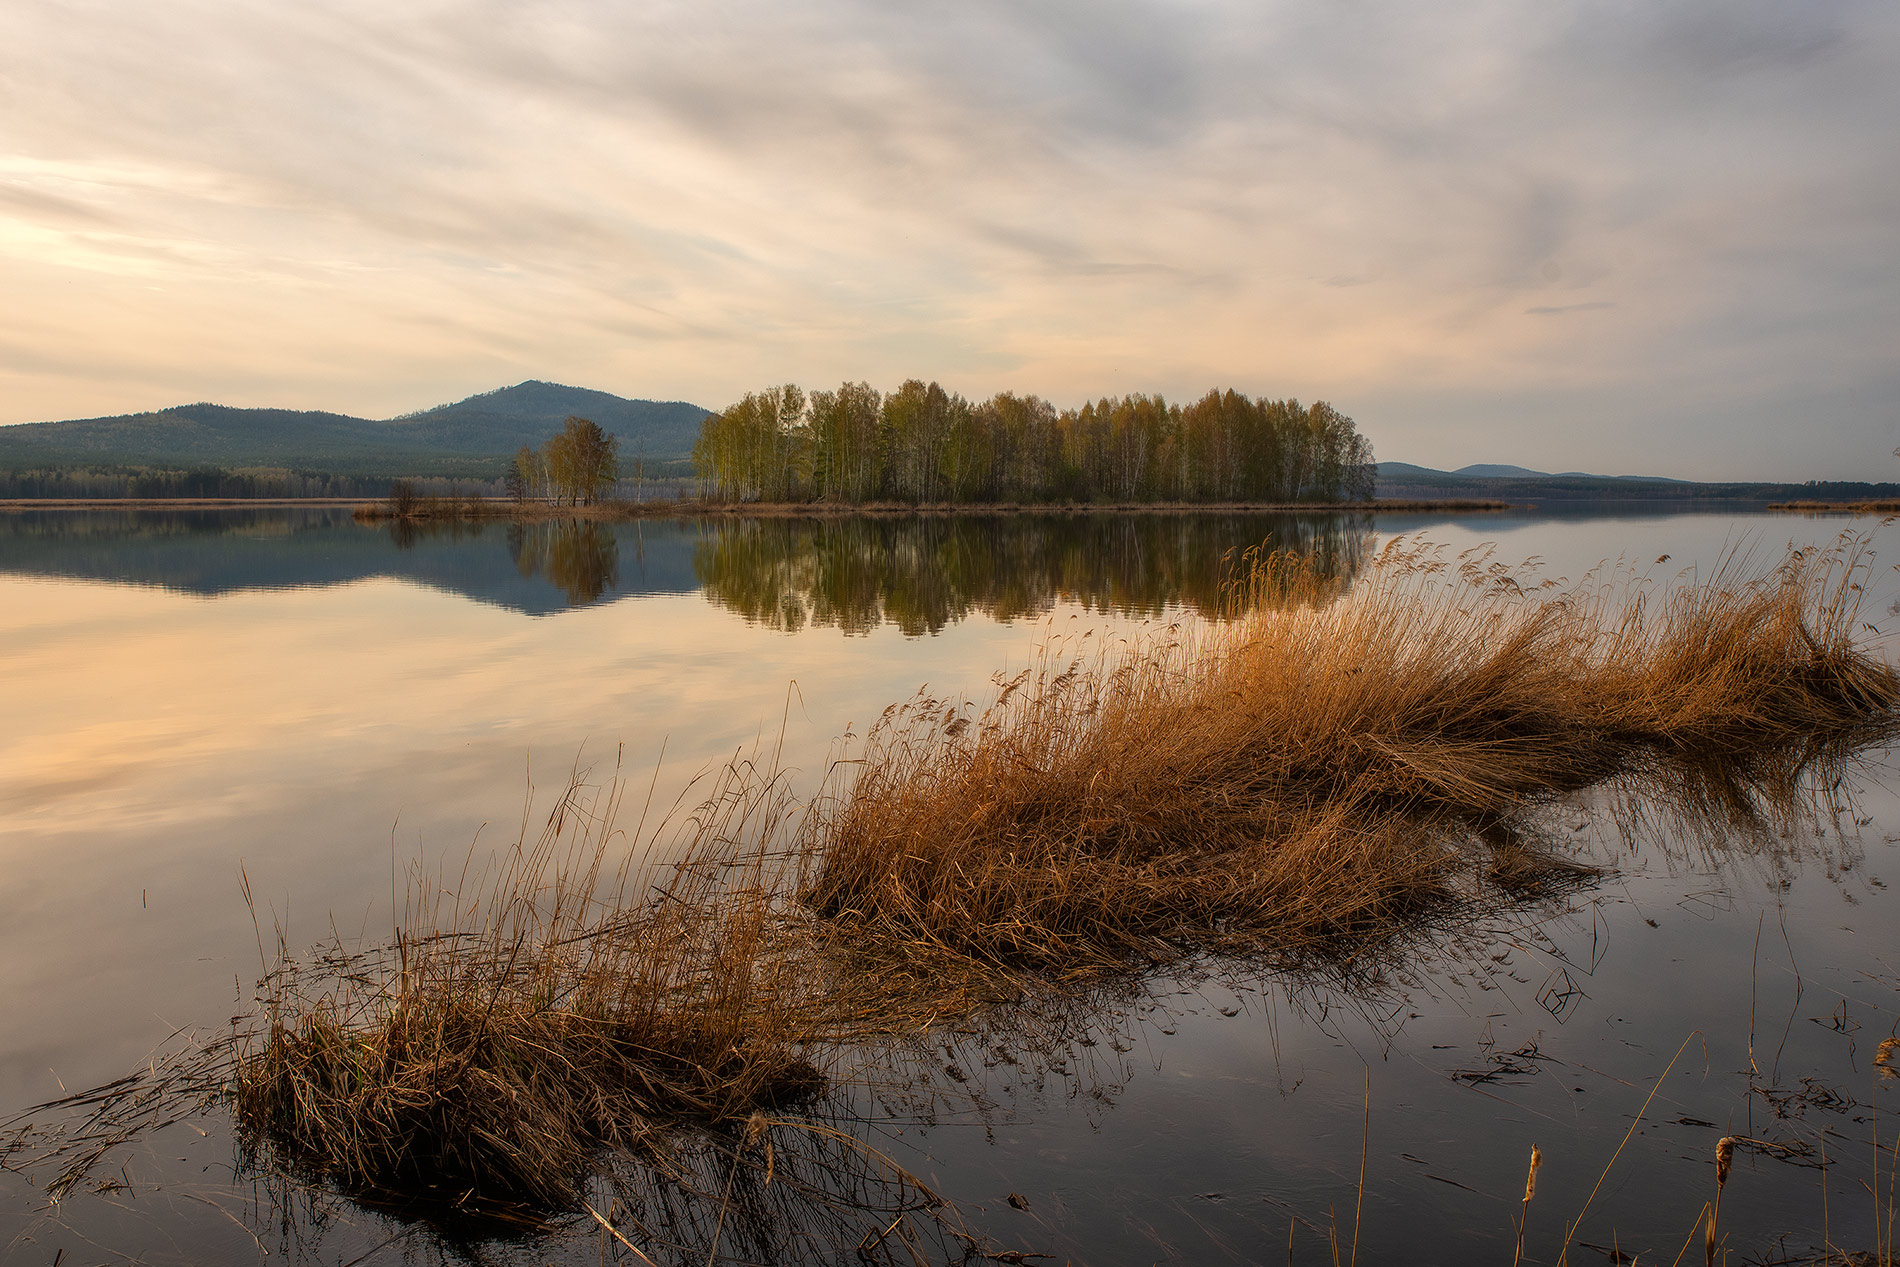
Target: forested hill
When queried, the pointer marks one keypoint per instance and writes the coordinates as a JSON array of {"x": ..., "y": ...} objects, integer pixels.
[{"x": 472, "y": 437}]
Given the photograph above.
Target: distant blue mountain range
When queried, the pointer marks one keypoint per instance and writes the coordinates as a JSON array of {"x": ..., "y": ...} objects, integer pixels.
[
  {"x": 472, "y": 437},
  {"x": 1504, "y": 471}
]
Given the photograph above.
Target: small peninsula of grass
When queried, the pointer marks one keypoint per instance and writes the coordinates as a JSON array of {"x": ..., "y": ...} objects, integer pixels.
[{"x": 1322, "y": 767}]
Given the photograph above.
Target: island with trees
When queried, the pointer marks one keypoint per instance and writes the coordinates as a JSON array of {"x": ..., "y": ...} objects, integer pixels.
[
  {"x": 923, "y": 445},
  {"x": 856, "y": 449}
]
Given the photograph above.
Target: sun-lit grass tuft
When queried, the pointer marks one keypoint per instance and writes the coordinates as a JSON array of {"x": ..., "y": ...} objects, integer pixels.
[
  {"x": 503, "y": 1038},
  {"x": 1323, "y": 763}
]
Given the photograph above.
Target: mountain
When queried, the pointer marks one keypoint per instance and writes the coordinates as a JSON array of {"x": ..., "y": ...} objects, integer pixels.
[
  {"x": 472, "y": 437},
  {"x": 1496, "y": 470},
  {"x": 666, "y": 428}
]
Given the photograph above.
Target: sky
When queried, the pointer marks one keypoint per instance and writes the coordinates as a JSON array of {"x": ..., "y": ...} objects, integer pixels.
[{"x": 1649, "y": 237}]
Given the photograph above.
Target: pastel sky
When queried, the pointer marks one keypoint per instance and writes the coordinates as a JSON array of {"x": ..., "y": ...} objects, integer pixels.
[{"x": 1643, "y": 236}]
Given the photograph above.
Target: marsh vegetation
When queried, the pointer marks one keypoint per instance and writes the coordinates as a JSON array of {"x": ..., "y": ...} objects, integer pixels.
[{"x": 1316, "y": 766}]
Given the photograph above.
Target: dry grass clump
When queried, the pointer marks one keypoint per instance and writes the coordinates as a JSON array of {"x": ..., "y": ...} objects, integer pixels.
[
  {"x": 1328, "y": 761},
  {"x": 564, "y": 1011},
  {"x": 406, "y": 503},
  {"x": 1752, "y": 666}
]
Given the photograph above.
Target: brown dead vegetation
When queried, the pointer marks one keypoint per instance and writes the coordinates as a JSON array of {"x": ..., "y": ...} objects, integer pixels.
[
  {"x": 1325, "y": 763},
  {"x": 498, "y": 1044}
]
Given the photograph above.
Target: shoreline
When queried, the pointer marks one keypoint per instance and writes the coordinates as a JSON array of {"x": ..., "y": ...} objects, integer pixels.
[
  {"x": 1838, "y": 508},
  {"x": 622, "y": 512},
  {"x": 176, "y": 503},
  {"x": 499, "y": 508}
]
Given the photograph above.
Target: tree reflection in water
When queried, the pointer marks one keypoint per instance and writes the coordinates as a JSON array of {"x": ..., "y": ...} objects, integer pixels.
[
  {"x": 405, "y": 534},
  {"x": 580, "y": 557},
  {"x": 926, "y": 572}
]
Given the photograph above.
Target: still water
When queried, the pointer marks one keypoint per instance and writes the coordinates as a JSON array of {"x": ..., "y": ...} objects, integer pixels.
[{"x": 314, "y": 704}]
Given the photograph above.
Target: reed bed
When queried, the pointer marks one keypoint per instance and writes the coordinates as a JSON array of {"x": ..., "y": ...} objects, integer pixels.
[
  {"x": 1328, "y": 762},
  {"x": 406, "y": 504}
]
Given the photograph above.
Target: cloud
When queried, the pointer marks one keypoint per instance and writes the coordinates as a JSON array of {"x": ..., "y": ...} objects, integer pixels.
[
  {"x": 372, "y": 207},
  {"x": 1558, "y": 310}
]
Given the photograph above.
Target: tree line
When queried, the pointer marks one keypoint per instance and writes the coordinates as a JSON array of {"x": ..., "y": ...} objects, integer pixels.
[
  {"x": 166, "y": 482},
  {"x": 923, "y": 444}
]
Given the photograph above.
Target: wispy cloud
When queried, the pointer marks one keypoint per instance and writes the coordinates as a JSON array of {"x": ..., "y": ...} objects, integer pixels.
[
  {"x": 373, "y": 207},
  {"x": 1558, "y": 310}
]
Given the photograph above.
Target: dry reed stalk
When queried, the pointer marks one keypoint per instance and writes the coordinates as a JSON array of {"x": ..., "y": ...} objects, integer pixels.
[
  {"x": 1886, "y": 1065},
  {"x": 1724, "y": 1154},
  {"x": 1327, "y": 761},
  {"x": 1524, "y": 1214},
  {"x": 1570, "y": 1232},
  {"x": 1365, "y": 1144}
]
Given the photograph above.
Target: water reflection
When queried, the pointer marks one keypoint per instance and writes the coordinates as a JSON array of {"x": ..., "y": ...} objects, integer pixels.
[
  {"x": 909, "y": 1156},
  {"x": 271, "y": 739},
  {"x": 924, "y": 573},
  {"x": 790, "y": 1189},
  {"x": 406, "y": 534},
  {"x": 581, "y": 557},
  {"x": 920, "y": 573},
  {"x": 946, "y": 1138}
]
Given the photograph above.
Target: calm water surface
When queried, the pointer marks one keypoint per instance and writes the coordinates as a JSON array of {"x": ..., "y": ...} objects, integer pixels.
[{"x": 319, "y": 703}]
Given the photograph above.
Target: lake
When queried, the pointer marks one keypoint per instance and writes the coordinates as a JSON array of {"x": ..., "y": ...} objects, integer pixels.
[{"x": 308, "y": 705}]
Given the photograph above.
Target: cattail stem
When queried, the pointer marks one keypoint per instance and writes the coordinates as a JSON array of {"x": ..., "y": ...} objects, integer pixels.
[
  {"x": 1724, "y": 1153},
  {"x": 1530, "y": 1190}
]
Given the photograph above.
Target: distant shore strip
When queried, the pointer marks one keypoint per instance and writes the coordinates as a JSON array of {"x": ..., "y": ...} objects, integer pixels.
[
  {"x": 500, "y": 508},
  {"x": 472, "y": 509},
  {"x": 1839, "y": 508}
]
